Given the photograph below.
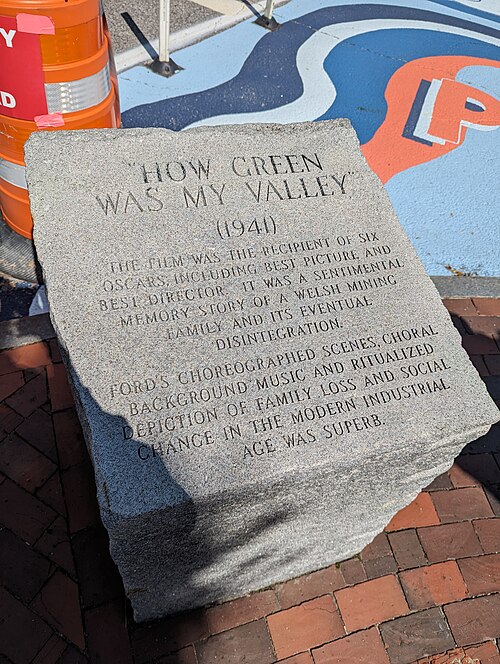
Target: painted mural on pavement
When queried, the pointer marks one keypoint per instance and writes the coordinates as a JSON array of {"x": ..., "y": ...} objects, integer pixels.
[{"x": 420, "y": 82}]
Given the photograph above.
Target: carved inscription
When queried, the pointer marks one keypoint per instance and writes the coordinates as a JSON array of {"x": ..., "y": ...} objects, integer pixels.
[
  {"x": 268, "y": 402},
  {"x": 195, "y": 183},
  {"x": 281, "y": 307}
]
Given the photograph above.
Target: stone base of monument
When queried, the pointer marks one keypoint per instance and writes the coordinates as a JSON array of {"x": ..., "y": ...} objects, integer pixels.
[
  {"x": 224, "y": 546},
  {"x": 264, "y": 372}
]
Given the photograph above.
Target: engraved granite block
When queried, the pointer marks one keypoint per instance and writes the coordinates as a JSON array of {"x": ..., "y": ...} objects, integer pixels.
[{"x": 264, "y": 372}]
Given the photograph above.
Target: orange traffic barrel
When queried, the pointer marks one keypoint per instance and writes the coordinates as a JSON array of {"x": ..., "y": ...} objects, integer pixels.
[{"x": 57, "y": 73}]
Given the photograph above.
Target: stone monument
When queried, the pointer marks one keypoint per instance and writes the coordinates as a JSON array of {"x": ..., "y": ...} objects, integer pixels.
[{"x": 264, "y": 373}]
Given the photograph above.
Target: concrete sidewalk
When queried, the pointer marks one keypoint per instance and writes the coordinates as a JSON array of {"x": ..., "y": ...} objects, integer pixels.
[{"x": 426, "y": 590}]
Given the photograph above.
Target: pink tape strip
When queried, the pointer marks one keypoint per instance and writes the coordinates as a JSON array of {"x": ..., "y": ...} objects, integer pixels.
[
  {"x": 34, "y": 24},
  {"x": 50, "y": 120}
]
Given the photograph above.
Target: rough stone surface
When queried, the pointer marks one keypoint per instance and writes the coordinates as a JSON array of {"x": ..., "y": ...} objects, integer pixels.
[{"x": 256, "y": 400}]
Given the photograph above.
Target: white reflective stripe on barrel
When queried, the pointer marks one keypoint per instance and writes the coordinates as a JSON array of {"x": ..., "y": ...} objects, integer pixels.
[
  {"x": 72, "y": 96},
  {"x": 13, "y": 173}
]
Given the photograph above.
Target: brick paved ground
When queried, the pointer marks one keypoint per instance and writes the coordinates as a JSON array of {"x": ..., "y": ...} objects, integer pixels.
[{"x": 427, "y": 590}]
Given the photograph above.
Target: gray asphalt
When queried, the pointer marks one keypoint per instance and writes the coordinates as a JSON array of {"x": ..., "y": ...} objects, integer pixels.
[{"x": 145, "y": 14}]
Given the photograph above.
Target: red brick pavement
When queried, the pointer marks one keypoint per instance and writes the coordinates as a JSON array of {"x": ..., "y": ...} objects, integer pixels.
[{"x": 427, "y": 591}]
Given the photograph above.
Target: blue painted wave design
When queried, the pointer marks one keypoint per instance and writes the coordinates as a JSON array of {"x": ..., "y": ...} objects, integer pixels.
[
  {"x": 474, "y": 11},
  {"x": 269, "y": 78}
]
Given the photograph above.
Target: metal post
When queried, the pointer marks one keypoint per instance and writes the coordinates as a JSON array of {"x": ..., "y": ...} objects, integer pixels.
[
  {"x": 163, "y": 65},
  {"x": 165, "y": 29},
  {"x": 266, "y": 19},
  {"x": 268, "y": 11}
]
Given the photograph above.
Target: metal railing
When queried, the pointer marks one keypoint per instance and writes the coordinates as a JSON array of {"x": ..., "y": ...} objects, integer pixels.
[{"x": 165, "y": 66}]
